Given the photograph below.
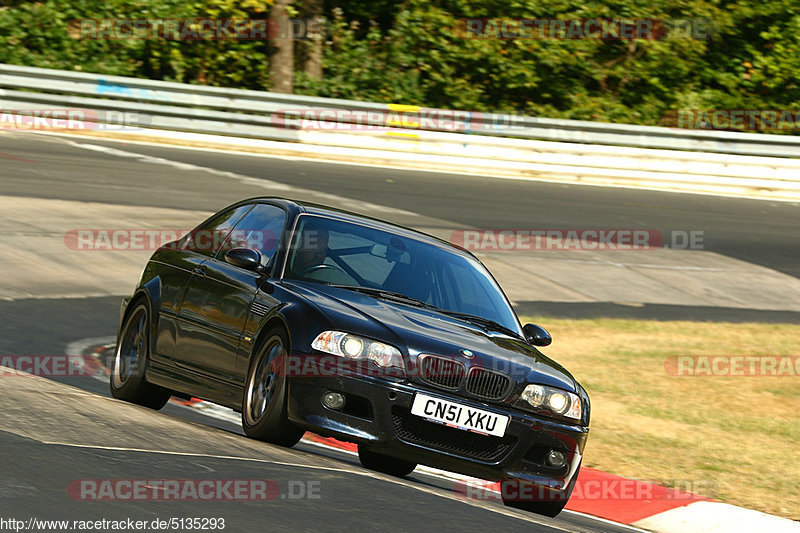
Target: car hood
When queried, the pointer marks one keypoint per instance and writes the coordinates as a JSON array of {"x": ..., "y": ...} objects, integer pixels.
[{"x": 417, "y": 330}]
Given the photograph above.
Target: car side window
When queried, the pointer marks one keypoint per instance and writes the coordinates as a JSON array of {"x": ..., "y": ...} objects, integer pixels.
[
  {"x": 207, "y": 238},
  {"x": 260, "y": 229}
]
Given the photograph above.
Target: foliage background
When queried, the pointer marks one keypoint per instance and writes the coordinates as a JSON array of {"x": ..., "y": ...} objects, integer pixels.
[{"x": 408, "y": 52}]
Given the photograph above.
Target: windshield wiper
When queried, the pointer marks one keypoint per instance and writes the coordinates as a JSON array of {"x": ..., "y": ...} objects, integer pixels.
[
  {"x": 475, "y": 319},
  {"x": 381, "y": 293}
]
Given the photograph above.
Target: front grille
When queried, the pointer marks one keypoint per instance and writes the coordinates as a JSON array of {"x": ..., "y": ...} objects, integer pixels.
[
  {"x": 441, "y": 371},
  {"x": 416, "y": 430},
  {"x": 488, "y": 384}
]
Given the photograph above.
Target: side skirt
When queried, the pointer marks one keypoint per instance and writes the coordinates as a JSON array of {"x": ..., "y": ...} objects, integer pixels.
[{"x": 196, "y": 385}]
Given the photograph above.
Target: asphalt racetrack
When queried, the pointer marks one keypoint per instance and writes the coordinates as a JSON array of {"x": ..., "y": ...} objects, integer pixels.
[{"x": 56, "y": 431}]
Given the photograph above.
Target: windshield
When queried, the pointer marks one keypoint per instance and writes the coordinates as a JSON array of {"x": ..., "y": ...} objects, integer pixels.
[{"x": 341, "y": 253}]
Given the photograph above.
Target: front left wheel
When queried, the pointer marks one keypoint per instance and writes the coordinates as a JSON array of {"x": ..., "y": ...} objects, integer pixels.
[
  {"x": 264, "y": 404},
  {"x": 128, "y": 381},
  {"x": 537, "y": 500}
]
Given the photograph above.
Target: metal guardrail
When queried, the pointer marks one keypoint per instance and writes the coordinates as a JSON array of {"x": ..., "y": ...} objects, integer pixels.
[
  {"x": 252, "y": 114},
  {"x": 766, "y": 166}
]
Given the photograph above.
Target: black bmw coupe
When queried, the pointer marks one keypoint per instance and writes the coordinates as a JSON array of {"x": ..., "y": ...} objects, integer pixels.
[{"x": 304, "y": 317}]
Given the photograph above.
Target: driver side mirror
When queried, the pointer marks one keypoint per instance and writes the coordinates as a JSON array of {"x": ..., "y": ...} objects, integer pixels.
[
  {"x": 536, "y": 335},
  {"x": 245, "y": 258}
]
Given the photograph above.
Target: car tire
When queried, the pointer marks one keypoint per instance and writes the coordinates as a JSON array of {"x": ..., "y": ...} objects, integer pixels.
[
  {"x": 546, "y": 508},
  {"x": 131, "y": 356},
  {"x": 264, "y": 401},
  {"x": 384, "y": 463}
]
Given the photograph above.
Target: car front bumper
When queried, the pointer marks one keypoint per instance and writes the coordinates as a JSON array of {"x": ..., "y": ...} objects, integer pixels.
[{"x": 379, "y": 416}]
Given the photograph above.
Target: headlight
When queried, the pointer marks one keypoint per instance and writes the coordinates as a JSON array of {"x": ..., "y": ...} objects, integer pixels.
[
  {"x": 555, "y": 401},
  {"x": 354, "y": 347}
]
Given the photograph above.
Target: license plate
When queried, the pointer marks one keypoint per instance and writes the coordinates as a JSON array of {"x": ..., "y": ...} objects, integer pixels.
[{"x": 459, "y": 416}]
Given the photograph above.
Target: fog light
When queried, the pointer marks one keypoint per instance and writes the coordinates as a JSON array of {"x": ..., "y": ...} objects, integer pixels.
[
  {"x": 333, "y": 400},
  {"x": 556, "y": 459}
]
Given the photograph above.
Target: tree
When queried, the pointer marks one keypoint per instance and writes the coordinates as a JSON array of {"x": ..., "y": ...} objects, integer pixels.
[
  {"x": 281, "y": 61},
  {"x": 315, "y": 38}
]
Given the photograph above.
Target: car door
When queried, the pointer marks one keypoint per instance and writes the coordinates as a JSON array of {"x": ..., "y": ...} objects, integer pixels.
[
  {"x": 218, "y": 297},
  {"x": 176, "y": 264}
]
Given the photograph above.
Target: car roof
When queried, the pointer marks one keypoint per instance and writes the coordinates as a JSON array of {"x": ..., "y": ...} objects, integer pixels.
[{"x": 349, "y": 216}]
